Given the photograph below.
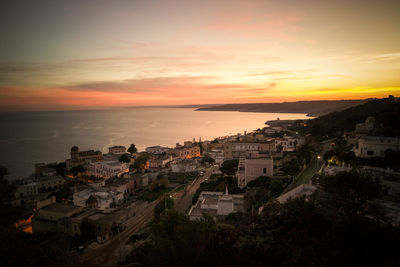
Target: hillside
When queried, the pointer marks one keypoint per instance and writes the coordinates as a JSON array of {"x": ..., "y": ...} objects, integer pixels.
[
  {"x": 386, "y": 112},
  {"x": 312, "y": 108}
]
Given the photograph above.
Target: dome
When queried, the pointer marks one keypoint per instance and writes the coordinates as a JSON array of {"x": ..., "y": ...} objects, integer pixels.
[{"x": 74, "y": 149}]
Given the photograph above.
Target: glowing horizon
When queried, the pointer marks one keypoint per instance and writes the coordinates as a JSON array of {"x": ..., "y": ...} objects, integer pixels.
[{"x": 99, "y": 54}]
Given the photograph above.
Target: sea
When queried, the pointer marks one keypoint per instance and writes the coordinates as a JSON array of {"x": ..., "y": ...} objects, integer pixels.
[{"x": 27, "y": 138}]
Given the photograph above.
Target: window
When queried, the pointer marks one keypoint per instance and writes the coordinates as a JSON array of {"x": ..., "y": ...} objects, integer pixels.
[
  {"x": 265, "y": 170},
  {"x": 75, "y": 228},
  {"x": 370, "y": 152}
]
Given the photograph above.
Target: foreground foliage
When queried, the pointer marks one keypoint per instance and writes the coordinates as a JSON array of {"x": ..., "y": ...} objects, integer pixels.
[{"x": 318, "y": 231}]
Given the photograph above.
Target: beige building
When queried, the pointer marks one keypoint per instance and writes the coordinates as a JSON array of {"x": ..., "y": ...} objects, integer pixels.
[
  {"x": 159, "y": 162},
  {"x": 187, "y": 152},
  {"x": 82, "y": 157},
  {"x": 251, "y": 169},
  {"x": 248, "y": 150}
]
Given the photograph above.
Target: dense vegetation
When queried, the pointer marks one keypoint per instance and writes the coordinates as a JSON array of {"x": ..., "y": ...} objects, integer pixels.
[
  {"x": 141, "y": 161},
  {"x": 20, "y": 249},
  {"x": 335, "y": 227},
  {"x": 125, "y": 158},
  {"x": 386, "y": 112},
  {"x": 229, "y": 167},
  {"x": 182, "y": 177}
]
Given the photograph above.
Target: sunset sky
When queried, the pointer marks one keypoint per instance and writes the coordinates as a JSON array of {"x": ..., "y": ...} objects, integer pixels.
[{"x": 107, "y": 53}]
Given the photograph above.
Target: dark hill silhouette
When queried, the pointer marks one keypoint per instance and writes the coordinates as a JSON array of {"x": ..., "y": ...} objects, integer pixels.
[{"x": 312, "y": 108}]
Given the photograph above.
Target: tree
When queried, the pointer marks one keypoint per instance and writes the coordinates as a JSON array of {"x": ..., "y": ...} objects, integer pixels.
[
  {"x": 291, "y": 167},
  {"x": 166, "y": 202},
  {"x": 229, "y": 167},
  {"x": 132, "y": 149},
  {"x": 125, "y": 158},
  {"x": 141, "y": 161},
  {"x": 77, "y": 169},
  {"x": 88, "y": 231},
  {"x": 3, "y": 172},
  {"x": 158, "y": 183},
  {"x": 306, "y": 152},
  {"x": 351, "y": 191},
  {"x": 208, "y": 159}
]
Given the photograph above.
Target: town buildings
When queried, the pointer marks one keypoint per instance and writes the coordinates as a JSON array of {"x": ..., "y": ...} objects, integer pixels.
[
  {"x": 49, "y": 213},
  {"x": 159, "y": 161},
  {"x": 140, "y": 180},
  {"x": 106, "y": 169},
  {"x": 116, "y": 150},
  {"x": 249, "y": 150},
  {"x": 103, "y": 200},
  {"x": 216, "y": 204},
  {"x": 157, "y": 150},
  {"x": 187, "y": 152},
  {"x": 375, "y": 146},
  {"x": 252, "y": 168},
  {"x": 82, "y": 157},
  {"x": 288, "y": 143},
  {"x": 27, "y": 190}
]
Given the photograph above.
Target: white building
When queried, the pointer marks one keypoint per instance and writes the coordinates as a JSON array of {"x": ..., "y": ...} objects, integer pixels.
[
  {"x": 82, "y": 196},
  {"x": 157, "y": 149},
  {"x": 105, "y": 200},
  {"x": 106, "y": 169},
  {"x": 251, "y": 169},
  {"x": 100, "y": 200},
  {"x": 375, "y": 146},
  {"x": 333, "y": 170},
  {"x": 216, "y": 204}
]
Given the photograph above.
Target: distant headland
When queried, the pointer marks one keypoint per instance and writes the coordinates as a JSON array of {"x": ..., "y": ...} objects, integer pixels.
[{"x": 312, "y": 108}]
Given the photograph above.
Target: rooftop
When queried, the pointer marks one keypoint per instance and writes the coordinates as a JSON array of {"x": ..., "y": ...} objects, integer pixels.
[{"x": 61, "y": 208}]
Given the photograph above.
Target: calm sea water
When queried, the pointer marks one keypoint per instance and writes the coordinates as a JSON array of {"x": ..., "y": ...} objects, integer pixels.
[{"x": 31, "y": 137}]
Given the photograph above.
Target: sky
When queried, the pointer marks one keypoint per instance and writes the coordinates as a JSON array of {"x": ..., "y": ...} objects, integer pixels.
[{"x": 58, "y": 55}]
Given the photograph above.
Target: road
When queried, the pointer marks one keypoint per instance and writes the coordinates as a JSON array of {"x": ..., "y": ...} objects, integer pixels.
[
  {"x": 184, "y": 203},
  {"x": 312, "y": 168},
  {"x": 105, "y": 253}
]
